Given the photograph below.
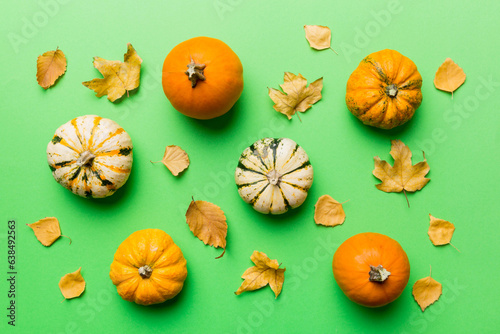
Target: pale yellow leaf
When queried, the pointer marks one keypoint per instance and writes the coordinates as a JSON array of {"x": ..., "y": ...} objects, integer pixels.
[
  {"x": 47, "y": 230},
  {"x": 72, "y": 285},
  {"x": 49, "y": 67},
  {"x": 426, "y": 291},
  {"x": 449, "y": 76},
  {"x": 318, "y": 36},
  {"x": 175, "y": 159},
  {"x": 440, "y": 231},
  {"x": 328, "y": 212}
]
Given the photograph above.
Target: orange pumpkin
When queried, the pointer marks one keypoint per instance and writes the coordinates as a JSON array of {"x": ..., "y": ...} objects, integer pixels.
[
  {"x": 371, "y": 269},
  {"x": 148, "y": 268},
  {"x": 384, "y": 91},
  {"x": 202, "y": 77}
]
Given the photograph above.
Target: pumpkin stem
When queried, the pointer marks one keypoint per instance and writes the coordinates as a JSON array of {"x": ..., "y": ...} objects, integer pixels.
[
  {"x": 391, "y": 90},
  {"x": 195, "y": 72},
  {"x": 378, "y": 273},
  {"x": 85, "y": 158},
  {"x": 273, "y": 177},
  {"x": 145, "y": 271}
]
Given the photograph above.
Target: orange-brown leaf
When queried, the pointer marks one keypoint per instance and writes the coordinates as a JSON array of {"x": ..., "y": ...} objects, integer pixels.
[
  {"x": 440, "y": 231},
  {"x": 318, "y": 36},
  {"x": 265, "y": 271},
  {"x": 208, "y": 223},
  {"x": 328, "y": 212},
  {"x": 449, "y": 76},
  {"x": 47, "y": 230},
  {"x": 119, "y": 77},
  {"x": 49, "y": 67},
  {"x": 298, "y": 97},
  {"x": 72, "y": 285},
  {"x": 175, "y": 159},
  {"x": 426, "y": 291}
]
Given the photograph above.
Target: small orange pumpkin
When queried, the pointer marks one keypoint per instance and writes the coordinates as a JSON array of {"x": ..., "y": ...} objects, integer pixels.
[
  {"x": 371, "y": 269},
  {"x": 148, "y": 268},
  {"x": 202, "y": 77},
  {"x": 384, "y": 90}
]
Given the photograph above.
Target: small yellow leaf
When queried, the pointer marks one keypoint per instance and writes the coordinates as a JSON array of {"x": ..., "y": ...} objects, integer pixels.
[
  {"x": 328, "y": 212},
  {"x": 49, "y": 67},
  {"x": 119, "y": 77},
  {"x": 440, "y": 231},
  {"x": 208, "y": 223},
  {"x": 318, "y": 37},
  {"x": 426, "y": 291},
  {"x": 298, "y": 97},
  {"x": 449, "y": 76},
  {"x": 265, "y": 271},
  {"x": 72, "y": 285},
  {"x": 175, "y": 159},
  {"x": 46, "y": 230}
]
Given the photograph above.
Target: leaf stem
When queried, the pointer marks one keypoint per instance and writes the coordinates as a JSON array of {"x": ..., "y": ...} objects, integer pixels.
[
  {"x": 333, "y": 50},
  {"x": 458, "y": 250},
  {"x": 218, "y": 257},
  {"x": 407, "y": 201},
  {"x": 297, "y": 113},
  {"x": 62, "y": 235}
]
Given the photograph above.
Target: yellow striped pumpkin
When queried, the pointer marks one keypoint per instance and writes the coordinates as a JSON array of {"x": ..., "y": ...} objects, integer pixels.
[
  {"x": 91, "y": 156},
  {"x": 274, "y": 175}
]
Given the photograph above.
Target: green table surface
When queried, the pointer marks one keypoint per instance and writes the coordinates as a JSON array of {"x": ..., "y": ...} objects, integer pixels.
[{"x": 459, "y": 137}]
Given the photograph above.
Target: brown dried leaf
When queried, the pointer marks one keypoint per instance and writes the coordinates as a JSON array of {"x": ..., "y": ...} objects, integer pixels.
[
  {"x": 265, "y": 271},
  {"x": 208, "y": 223},
  {"x": 72, "y": 285},
  {"x": 328, "y": 212},
  {"x": 119, "y": 77},
  {"x": 440, "y": 231},
  {"x": 298, "y": 97},
  {"x": 175, "y": 159},
  {"x": 49, "y": 67},
  {"x": 449, "y": 76},
  {"x": 426, "y": 291},
  {"x": 318, "y": 37},
  {"x": 402, "y": 176},
  {"x": 47, "y": 230}
]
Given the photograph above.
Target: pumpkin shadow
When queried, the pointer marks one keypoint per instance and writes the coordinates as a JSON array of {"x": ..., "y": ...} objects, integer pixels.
[
  {"x": 369, "y": 131},
  {"x": 219, "y": 123}
]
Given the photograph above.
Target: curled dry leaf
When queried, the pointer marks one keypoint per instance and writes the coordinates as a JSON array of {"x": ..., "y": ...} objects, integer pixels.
[
  {"x": 449, "y": 76},
  {"x": 119, "y": 77},
  {"x": 328, "y": 212},
  {"x": 49, "y": 67},
  {"x": 318, "y": 37},
  {"x": 402, "y": 176},
  {"x": 426, "y": 291},
  {"x": 72, "y": 285},
  {"x": 298, "y": 97},
  {"x": 440, "y": 231},
  {"x": 265, "y": 271},
  {"x": 47, "y": 230},
  {"x": 208, "y": 223},
  {"x": 175, "y": 159}
]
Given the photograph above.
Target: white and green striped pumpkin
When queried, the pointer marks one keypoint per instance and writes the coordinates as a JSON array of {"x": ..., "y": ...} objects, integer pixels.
[
  {"x": 274, "y": 175},
  {"x": 91, "y": 156}
]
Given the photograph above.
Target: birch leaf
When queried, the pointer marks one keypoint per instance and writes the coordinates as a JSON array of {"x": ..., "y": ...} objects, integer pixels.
[
  {"x": 175, "y": 159},
  {"x": 328, "y": 212},
  {"x": 440, "y": 231},
  {"x": 72, "y": 285},
  {"x": 426, "y": 291},
  {"x": 449, "y": 76},
  {"x": 47, "y": 230},
  {"x": 49, "y": 67},
  {"x": 319, "y": 37}
]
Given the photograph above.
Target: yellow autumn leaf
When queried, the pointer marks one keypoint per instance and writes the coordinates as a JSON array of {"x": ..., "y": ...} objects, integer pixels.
[
  {"x": 426, "y": 291},
  {"x": 47, "y": 230},
  {"x": 440, "y": 231},
  {"x": 72, "y": 285},
  {"x": 49, "y": 67},
  {"x": 328, "y": 212},
  {"x": 319, "y": 37},
  {"x": 208, "y": 223},
  {"x": 449, "y": 76},
  {"x": 402, "y": 176},
  {"x": 175, "y": 159},
  {"x": 119, "y": 77},
  {"x": 298, "y": 97},
  {"x": 265, "y": 271}
]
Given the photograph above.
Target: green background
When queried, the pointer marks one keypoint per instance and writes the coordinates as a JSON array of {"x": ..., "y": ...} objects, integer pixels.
[{"x": 459, "y": 137}]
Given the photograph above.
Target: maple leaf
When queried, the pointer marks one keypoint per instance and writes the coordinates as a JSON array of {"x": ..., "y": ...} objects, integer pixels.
[
  {"x": 265, "y": 271},
  {"x": 426, "y": 291},
  {"x": 119, "y": 77},
  {"x": 72, "y": 285},
  {"x": 440, "y": 231},
  {"x": 175, "y": 159},
  {"x": 328, "y": 212},
  {"x": 449, "y": 77},
  {"x": 319, "y": 37},
  {"x": 298, "y": 97},
  {"x": 402, "y": 176},
  {"x": 208, "y": 223},
  {"x": 49, "y": 67},
  {"x": 47, "y": 230}
]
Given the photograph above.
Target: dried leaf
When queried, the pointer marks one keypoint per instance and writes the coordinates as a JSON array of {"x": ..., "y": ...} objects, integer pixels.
[
  {"x": 49, "y": 67},
  {"x": 449, "y": 76},
  {"x": 119, "y": 77},
  {"x": 298, "y": 97},
  {"x": 265, "y": 271},
  {"x": 47, "y": 230},
  {"x": 440, "y": 231},
  {"x": 207, "y": 222},
  {"x": 72, "y": 285},
  {"x": 402, "y": 176},
  {"x": 175, "y": 159},
  {"x": 319, "y": 37},
  {"x": 426, "y": 291},
  {"x": 328, "y": 212}
]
